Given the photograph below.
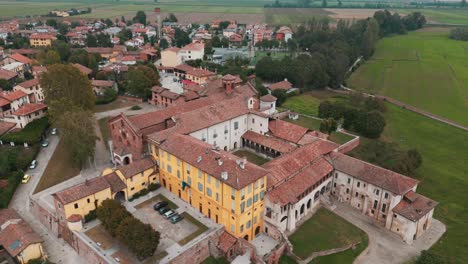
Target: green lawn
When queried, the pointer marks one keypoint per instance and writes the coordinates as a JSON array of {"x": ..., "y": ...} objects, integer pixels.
[
  {"x": 201, "y": 229},
  {"x": 212, "y": 260},
  {"x": 251, "y": 157},
  {"x": 423, "y": 68},
  {"x": 449, "y": 16},
  {"x": 343, "y": 257},
  {"x": 306, "y": 104},
  {"x": 58, "y": 169},
  {"x": 323, "y": 231},
  {"x": 443, "y": 174}
]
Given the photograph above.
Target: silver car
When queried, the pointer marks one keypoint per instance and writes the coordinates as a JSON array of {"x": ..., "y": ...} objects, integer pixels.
[
  {"x": 169, "y": 213},
  {"x": 33, "y": 164}
]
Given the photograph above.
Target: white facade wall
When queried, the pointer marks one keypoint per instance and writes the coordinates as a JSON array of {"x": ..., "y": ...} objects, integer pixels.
[
  {"x": 226, "y": 136},
  {"x": 409, "y": 230},
  {"x": 22, "y": 121},
  {"x": 270, "y": 105},
  {"x": 191, "y": 54},
  {"x": 36, "y": 90}
]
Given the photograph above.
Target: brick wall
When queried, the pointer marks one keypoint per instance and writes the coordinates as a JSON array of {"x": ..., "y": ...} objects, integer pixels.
[
  {"x": 46, "y": 218},
  {"x": 350, "y": 145},
  {"x": 200, "y": 251},
  {"x": 130, "y": 98}
]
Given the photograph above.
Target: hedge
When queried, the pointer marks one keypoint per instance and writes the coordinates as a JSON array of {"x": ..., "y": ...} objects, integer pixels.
[
  {"x": 31, "y": 133},
  {"x": 109, "y": 96}
]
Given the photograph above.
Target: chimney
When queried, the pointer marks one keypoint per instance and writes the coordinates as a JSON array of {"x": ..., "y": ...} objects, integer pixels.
[
  {"x": 285, "y": 79},
  {"x": 220, "y": 162},
  {"x": 199, "y": 159}
]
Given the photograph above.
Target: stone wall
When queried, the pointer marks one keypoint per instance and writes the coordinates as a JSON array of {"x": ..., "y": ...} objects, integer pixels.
[
  {"x": 200, "y": 251},
  {"x": 47, "y": 219},
  {"x": 130, "y": 98},
  {"x": 350, "y": 145}
]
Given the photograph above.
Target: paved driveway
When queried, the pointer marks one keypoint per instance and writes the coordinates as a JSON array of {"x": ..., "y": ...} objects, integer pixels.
[{"x": 384, "y": 246}]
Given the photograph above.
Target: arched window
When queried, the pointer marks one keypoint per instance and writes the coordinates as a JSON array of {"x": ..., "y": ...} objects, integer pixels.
[
  {"x": 302, "y": 209},
  {"x": 308, "y": 203},
  {"x": 316, "y": 196}
]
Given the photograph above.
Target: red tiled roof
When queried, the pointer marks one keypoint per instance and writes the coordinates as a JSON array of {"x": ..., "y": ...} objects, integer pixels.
[
  {"x": 7, "y": 75},
  {"x": 5, "y": 126},
  {"x": 8, "y": 214},
  {"x": 41, "y": 36},
  {"x": 25, "y": 51},
  {"x": 17, "y": 237},
  {"x": 102, "y": 83},
  {"x": 284, "y": 85},
  {"x": 74, "y": 218},
  {"x": 268, "y": 98},
  {"x": 189, "y": 149},
  {"x": 378, "y": 176},
  {"x": 29, "y": 83},
  {"x": 20, "y": 58},
  {"x": 287, "y": 131},
  {"x": 13, "y": 95},
  {"x": 157, "y": 89},
  {"x": 226, "y": 242},
  {"x": 173, "y": 49},
  {"x": 129, "y": 58},
  {"x": 269, "y": 142},
  {"x": 4, "y": 101},
  {"x": 194, "y": 46},
  {"x": 136, "y": 167},
  {"x": 27, "y": 109},
  {"x": 83, "y": 69},
  {"x": 99, "y": 50},
  {"x": 190, "y": 95},
  {"x": 197, "y": 72},
  {"x": 171, "y": 95},
  {"x": 287, "y": 165},
  {"x": 289, "y": 191},
  {"x": 115, "y": 182},
  {"x": 183, "y": 67},
  {"x": 413, "y": 206},
  {"x": 194, "y": 87},
  {"x": 38, "y": 69},
  {"x": 82, "y": 190}
]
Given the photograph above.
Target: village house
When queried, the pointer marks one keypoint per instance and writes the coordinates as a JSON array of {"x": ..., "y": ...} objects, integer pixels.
[
  {"x": 41, "y": 40},
  {"x": 18, "y": 239},
  {"x": 164, "y": 97},
  {"x": 17, "y": 63},
  {"x": 74, "y": 203},
  {"x": 170, "y": 57},
  {"x": 15, "y": 107},
  {"x": 8, "y": 75},
  {"x": 284, "y": 34},
  {"x": 33, "y": 89},
  {"x": 100, "y": 86},
  {"x": 192, "y": 51},
  {"x": 284, "y": 85}
]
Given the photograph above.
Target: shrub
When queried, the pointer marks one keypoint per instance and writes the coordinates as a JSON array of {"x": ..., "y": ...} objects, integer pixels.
[
  {"x": 30, "y": 134},
  {"x": 153, "y": 186},
  {"x": 109, "y": 96},
  {"x": 90, "y": 216},
  {"x": 135, "y": 107},
  {"x": 7, "y": 193}
]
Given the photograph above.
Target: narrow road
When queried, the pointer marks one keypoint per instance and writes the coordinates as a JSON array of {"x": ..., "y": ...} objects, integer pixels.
[{"x": 57, "y": 250}]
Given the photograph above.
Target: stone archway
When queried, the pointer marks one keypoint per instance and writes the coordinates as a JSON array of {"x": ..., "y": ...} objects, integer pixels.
[
  {"x": 120, "y": 196},
  {"x": 246, "y": 237},
  {"x": 257, "y": 230},
  {"x": 126, "y": 161}
]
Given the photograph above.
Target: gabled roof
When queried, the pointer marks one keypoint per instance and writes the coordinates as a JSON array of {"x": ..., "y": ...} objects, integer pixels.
[
  {"x": 7, "y": 75},
  {"x": 41, "y": 36},
  {"x": 269, "y": 142},
  {"x": 17, "y": 237},
  {"x": 414, "y": 206},
  {"x": 20, "y": 58},
  {"x": 102, "y": 83},
  {"x": 268, "y": 98},
  {"x": 286, "y": 130},
  {"x": 136, "y": 167},
  {"x": 12, "y": 95},
  {"x": 82, "y": 190},
  {"x": 194, "y": 46},
  {"x": 378, "y": 176},
  {"x": 201, "y": 155},
  {"x": 27, "y": 109},
  {"x": 283, "y": 85},
  {"x": 29, "y": 83},
  {"x": 83, "y": 69},
  {"x": 198, "y": 72}
]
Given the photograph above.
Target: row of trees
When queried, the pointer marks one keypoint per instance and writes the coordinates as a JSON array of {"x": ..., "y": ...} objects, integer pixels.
[
  {"x": 326, "y": 54},
  {"x": 459, "y": 34},
  {"x": 140, "y": 238}
]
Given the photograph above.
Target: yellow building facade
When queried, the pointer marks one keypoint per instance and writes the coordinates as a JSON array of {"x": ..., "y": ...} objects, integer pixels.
[
  {"x": 40, "y": 41},
  {"x": 239, "y": 210},
  {"x": 33, "y": 251}
]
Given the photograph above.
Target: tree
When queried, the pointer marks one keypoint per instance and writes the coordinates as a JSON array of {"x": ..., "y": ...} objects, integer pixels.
[
  {"x": 48, "y": 57},
  {"x": 181, "y": 38},
  {"x": 111, "y": 213},
  {"x": 63, "y": 49},
  {"x": 280, "y": 96},
  {"x": 224, "y": 24},
  {"x": 328, "y": 125},
  {"x": 163, "y": 44},
  {"x": 109, "y": 22},
  {"x": 140, "y": 17},
  {"x": 65, "y": 86},
  {"x": 463, "y": 3},
  {"x": 324, "y": 3},
  {"x": 260, "y": 88},
  {"x": 172, "y": 18},
  {"x": 77, "y": 132},
  {"x": 125, "y": 35},
  {"x": 51, "y": 22},
  {"x": 371, "y": 35},
  {"x": 141, "y": 238},
  {"x": 5, "y": 85},
  {"x": 292, "y": 45},
  {"x": 91, "y": 40},
  {"x": 103, "y": 40},
  {"x": 140, "y": 79},
  {"x": 370, "y": 124}
]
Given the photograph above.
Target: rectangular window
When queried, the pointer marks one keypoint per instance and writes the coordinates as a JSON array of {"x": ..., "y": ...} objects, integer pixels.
[
  {"x": 377, "y": 191},
  {"x": 375, "y": 204},
  {"x": 189, "y": 180},
  {"x": 356, "y": 194},
  {"x": 200, "y": 187},
  {"x": 249, "y": 202},
  {"x": 358, "y": 184},
  {"x": 169, "y": 168},
  {"x": 168, "y": 157},
  {"x": 200, "y": 174},
  {"x": 217, "y": 197},
  {"x": 242, "y": 194},
  {"x": 250, "y": 188},
  {"x": 242, "y": 207},
  {"x": 384, "y": 207},
  {"x": 233, "y": 228},
  {"x": 208, "y": 178},
  {"x": 249, "y": 224},
  {"x": 236, "y": 125},
  {"x": 208, "y": 191},
  {"x": 347, "y": 190},
  {"x": 256, "y": 185},
  {"x": 233, "y": 206},
  {"x": 178, "y": 174},
  {"x": 188, "y": 168},
  {"x": 262, "y": 193},
  {"x": 217, "y": 183},
  {"x": 76, "y": 206},
  {"x": 386, "y": 195},
  {"x": 233, "y": 193},
  {"x": 263, "y": 182},
  {"x": 349, "y": 180},
  {"x": 88, "y": 200},
  {"x": 242, "y": 228},
  {"x": 255, "y": 198},
  {"x": 178, "y": 162}
]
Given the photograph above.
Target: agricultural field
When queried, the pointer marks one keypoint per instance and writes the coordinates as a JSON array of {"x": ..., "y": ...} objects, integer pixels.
[
  {"x": 442, "y": 174},
  {"x": 424, "y": 68},
  {"x": 446, "y": 16}
]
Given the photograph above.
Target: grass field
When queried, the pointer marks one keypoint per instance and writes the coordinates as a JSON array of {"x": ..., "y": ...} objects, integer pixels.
[
  {"x": 424, "y": 69},
  {"x": 323, "y": 231},
  {"x": 448, "y": 16},
  {"x": 58, "y": 170}
]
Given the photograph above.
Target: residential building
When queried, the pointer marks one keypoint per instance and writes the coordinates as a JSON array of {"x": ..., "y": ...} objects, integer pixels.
[
  {"x": 41, "y": 40},
  {"x": 170, "y": 57},
  {"x": 284, "y": 34},
  {"x": 284, "y": 85},
  {"x": 15, "y": 107},
  {"x": 192, "y": 51},
  {"x": 18, "y": 239},
  {"x": 228, "y": 190},
  {"x": 33, "y": 89},
  {"x": 100, "y": 86},
  {"x": 121, "y": 184}
]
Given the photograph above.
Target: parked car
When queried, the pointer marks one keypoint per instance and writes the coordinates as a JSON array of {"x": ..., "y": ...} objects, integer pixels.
[
  {"x": 176, "y": 218},
  {"x": 45, "y": 143},
  {"x": 26, "y": 178},
  {"x": 169, "y": 214},
  {"x": 54, "y": 131},
  {"x": 163, "y": 210},
  {"x": 33, "y": 164},
  {"x": 160, "y": 205}
]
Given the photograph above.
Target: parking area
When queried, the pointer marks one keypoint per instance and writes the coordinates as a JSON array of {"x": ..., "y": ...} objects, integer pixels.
[{"x": 170, "y": 233}]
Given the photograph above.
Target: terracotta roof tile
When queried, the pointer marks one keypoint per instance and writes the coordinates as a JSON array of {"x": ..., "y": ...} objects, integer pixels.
[
  {"x": 27, "y": 109},
  {"x": 115, "y": 182},
  {"x": 20, "y": 58},
  {"x": 413, "y": 206},
  {"x": 12, "y": 95},
  {"x": 286, "y": 130},
  {"x": 5, "y": 126},
  {"x": 289, "y": 191},
  {"x": 83, "y": 69},
  {"x": 378, "y": 176},
  {"x": 268, "y": 98},
  {"x": 201, "y": 155},
  {"x": 8, "y": 214},
  {"x": 102, "y": 83},
  {"x": 136, "y": 167},
  {"x": 170, "y": 95},
  {"x": 269, "y": 141},
  {"x": 7, "y": 75},
  {"x": 194, "y": 46},
  {"x": 289, "y": 164},
  {"x": 82, "y": 190},
  {"x": 283, "y": 85},
  {"x": 29, "y": 83},
  {"x": 17, "y": 237},
  {"x": 226, "y": 242},
  {"x": 41, "y": 36},
  {"x": 198, "y": 72}
]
